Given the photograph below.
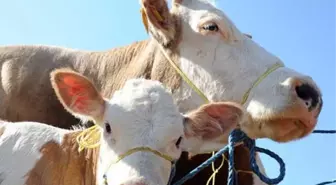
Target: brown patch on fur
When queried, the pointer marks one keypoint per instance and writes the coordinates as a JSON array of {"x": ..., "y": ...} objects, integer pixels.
[{"x": 64, "y": 165}]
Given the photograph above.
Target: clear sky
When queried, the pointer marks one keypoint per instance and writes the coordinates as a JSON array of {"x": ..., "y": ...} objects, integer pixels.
[{"x": 300, "y": 32}]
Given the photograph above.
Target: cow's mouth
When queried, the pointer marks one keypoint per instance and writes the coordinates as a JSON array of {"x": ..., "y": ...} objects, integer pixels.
[
  {"x": 279, "y": 129},
  {"x": 297, "y": 129}
]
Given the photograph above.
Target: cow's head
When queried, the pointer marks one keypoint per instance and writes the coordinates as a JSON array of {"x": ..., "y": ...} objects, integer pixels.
[
  {"x": 224, "y": 63},
  {"x": 143, "y": 114}
]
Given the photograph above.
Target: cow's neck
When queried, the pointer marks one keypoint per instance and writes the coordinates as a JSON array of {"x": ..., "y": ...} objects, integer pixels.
[
  {"x": 110, "y": 69},
  {"x": 62, "y": 164}
]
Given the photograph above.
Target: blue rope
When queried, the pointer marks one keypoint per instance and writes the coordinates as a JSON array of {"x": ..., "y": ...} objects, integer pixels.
[
  {"x": 327, "y": 182},
  {"x": 235, "y": 137},
  {"x": 324, "y": 131}
]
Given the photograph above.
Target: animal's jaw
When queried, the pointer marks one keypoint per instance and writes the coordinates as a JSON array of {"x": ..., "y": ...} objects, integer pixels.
[{"x": 279, "y": 129}]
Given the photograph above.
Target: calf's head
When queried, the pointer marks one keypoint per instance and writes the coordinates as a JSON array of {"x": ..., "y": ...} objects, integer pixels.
[
  {"x": 143, "y": 114},
  {"x": 224, "y": 63}
]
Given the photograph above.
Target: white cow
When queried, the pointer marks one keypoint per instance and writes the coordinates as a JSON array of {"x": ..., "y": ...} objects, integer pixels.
[{"x": 141, "y": 114}]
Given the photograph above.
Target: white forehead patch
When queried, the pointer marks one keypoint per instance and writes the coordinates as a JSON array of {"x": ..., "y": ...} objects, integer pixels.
[
  {"x": 143, "y": 100},
  {"x": 140, "y": 92}
]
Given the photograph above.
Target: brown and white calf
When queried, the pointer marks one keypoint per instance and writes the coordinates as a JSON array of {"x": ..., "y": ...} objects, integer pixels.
[
  {"x": 222, "y": 61},
  {"x": 141, "y": 114}
]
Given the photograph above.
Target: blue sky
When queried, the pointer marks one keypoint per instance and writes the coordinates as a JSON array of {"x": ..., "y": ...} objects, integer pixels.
[{"x": 300, "y": 32}]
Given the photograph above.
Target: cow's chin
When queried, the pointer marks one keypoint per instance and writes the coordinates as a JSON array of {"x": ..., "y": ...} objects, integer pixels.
[{"x": 280, "y": 130}]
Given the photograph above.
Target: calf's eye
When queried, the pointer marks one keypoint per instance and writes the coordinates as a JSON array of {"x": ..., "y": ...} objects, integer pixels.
[
  {"x": 108, "y": 128},
  {"x": 178, "y": 142}
]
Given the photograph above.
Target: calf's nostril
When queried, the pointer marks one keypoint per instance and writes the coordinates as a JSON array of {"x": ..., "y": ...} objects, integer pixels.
[{"x": 308, "y": 94}]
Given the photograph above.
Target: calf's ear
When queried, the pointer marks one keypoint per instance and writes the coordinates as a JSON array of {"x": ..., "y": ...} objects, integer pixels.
[
  {"x": 208, "y": 127},
  {"x": 77, "y": 94}
]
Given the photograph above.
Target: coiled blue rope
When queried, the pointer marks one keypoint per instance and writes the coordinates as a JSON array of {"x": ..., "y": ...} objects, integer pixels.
[{"x": 237, "y": 136}]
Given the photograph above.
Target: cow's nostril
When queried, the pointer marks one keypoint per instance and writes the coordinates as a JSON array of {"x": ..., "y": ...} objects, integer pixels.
[{"x": 308, "y": 94}]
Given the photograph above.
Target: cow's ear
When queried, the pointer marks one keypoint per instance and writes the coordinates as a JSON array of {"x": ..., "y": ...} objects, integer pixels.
[
  {"x": 77, "y": 94},
  {"x": 207, "y": 128},
  {"x": 158, "y": 20}
]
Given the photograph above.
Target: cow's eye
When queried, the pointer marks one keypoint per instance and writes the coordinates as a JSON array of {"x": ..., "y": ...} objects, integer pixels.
[{"x": 210, "y": 27}]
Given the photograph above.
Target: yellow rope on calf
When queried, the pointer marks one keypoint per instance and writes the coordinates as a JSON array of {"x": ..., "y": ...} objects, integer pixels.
[{"x": 89, "y": 138}]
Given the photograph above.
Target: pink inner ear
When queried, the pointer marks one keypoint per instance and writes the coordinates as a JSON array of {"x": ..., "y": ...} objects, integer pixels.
[
  {"x": 215, "y": 119},
  {"x": 77, "y": 93},
  {"x": 70, "y": 81},
  {"x": 217, "y": 111},
  {"x": 80, "y": 103}
]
